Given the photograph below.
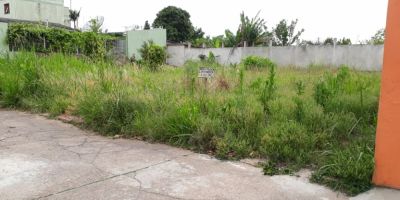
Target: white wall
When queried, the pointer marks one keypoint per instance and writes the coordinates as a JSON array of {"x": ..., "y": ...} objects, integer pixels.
[{"x": 361, "y": 57}]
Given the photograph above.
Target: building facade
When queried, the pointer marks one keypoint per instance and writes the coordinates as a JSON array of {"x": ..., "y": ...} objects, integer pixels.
[{"x": 52, "y": 11}]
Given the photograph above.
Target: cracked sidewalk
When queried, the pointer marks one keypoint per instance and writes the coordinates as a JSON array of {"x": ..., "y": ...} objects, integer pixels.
[{"x": 47, "y": 159}]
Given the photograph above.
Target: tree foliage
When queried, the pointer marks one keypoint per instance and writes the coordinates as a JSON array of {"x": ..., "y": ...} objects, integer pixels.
[
  {"x": 329, "y": 41},
  {"x": 197, "y": 33},
  {"x": 253, "y": 31},
  {"x": 344, "y": 41},
  {"x": 214, "y": 42},
  {"x": 230, "y": 39},
  {"x": 285, "y": 34},
  {"x": 378, "y": 38},
  {"x": 250, "y": 30},
  {"x": 177, "y": 23}
]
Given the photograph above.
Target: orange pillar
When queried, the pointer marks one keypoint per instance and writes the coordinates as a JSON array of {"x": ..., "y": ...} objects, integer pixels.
[{"x": 387, "y": 153}]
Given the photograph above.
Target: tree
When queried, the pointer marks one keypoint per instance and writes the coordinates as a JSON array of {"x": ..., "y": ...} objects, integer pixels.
[
  {"x": 230, "y": 39},
  {"x": 177, "y": 22},
  {"x": 214, "y": 42},
  {"x": 74, "y": 16},
  {"x": 329, "y": 41},
  {"x": 253, "y": 31},
  {"x": 217, "y": 41},
  {"x": 146, "y": 25},
  {"x": 378, "y": 38},
  {"x": 197, "y": 33},
  {"x": 284, "y": 34},
  {"x": 95, "y": 24},
  {"x": 344, "y": 41}
]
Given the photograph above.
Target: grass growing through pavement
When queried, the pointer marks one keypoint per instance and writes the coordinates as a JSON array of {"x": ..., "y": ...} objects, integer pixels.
[{"x": 316, "y": 118}]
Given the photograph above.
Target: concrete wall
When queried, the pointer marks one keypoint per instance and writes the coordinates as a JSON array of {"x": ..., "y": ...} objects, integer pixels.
[
  {"x": 37, "y": 10},
  {"x": 135, "y": 40},
  {"x": 361, "y": 57}
]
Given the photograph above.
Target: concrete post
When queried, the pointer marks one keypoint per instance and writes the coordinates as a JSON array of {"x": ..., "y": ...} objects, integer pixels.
[
  {"x": 245, "y": 44},
  {"x": 334, "y": 52},
  {"x": 270, "y": 49},
  {"x": 189, "y": 45}
]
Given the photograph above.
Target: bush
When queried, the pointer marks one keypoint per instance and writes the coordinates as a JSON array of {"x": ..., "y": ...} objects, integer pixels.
[
  {"x": 153, "y": 56},
  {"x": 255, "y": 62}
]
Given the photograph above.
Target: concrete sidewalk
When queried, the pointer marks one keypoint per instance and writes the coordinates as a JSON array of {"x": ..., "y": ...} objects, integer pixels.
[{"x": 47, "y": 159}]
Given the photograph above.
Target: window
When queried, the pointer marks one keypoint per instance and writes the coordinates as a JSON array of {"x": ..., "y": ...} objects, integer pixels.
[{"x": 7, "y": 8}]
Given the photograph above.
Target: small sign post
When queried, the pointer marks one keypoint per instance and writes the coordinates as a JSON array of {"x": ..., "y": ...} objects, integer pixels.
[{"x": 206, "y": 74}]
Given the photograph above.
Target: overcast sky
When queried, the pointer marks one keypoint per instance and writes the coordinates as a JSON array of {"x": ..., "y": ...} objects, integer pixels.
[{"x": 357, "y": 19}]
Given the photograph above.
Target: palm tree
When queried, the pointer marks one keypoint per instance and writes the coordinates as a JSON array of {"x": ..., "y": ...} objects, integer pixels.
[{"x": 74, "y": 16}]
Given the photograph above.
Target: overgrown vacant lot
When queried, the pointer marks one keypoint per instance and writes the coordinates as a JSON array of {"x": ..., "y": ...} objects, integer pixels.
[{"x": 317, "y": 118}]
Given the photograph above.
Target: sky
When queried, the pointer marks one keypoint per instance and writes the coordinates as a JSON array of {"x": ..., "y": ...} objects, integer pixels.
[{"x": 355, "y": 19}]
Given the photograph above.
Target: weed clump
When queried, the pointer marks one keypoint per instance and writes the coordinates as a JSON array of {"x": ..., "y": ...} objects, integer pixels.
[
  {"x": 349, "y": 169},
  {"x": 110, "y": 114}
]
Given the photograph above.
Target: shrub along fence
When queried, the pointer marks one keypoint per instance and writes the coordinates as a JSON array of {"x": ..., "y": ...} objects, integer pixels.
[{"x": 39, "y": 38}]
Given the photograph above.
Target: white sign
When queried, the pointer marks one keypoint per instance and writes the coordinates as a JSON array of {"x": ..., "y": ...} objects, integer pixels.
[{"x": 206, "y": 73}]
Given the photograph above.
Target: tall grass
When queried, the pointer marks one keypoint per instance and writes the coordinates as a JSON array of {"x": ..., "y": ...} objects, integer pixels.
[{"x": 317, "y": 118}]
